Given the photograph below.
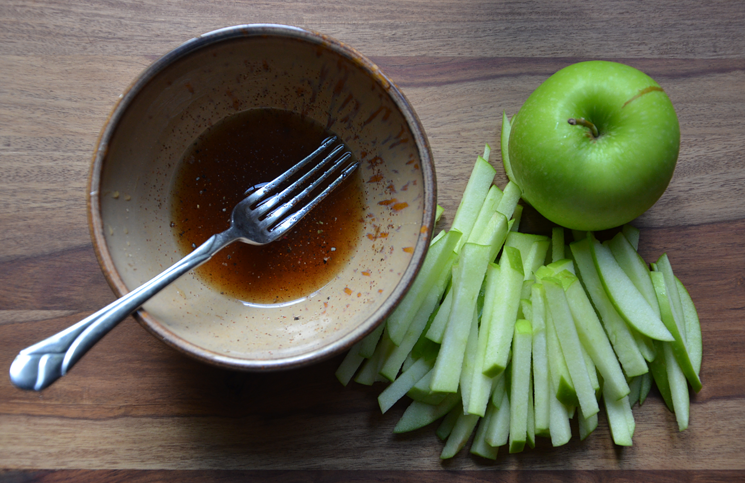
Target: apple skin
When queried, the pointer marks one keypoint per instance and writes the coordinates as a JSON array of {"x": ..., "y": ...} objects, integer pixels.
[{"x": 587, "y": 183}]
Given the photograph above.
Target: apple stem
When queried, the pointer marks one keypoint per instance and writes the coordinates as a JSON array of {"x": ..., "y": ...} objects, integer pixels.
[{"x": 584, "y": 122}]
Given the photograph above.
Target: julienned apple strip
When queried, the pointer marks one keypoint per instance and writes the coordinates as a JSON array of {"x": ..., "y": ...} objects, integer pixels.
[
  {"x": 403, "y": 384},
  {"x": 635, "y": 387},
  {"x": 562, "y": 386},
  {"x": 491, "y": 233},
  {"x": 531, "y": 415},
  {"x": 424, "y": 347},
  {"x": 474, "y": 261},
  {"x": 493, "y": 197},
  {"x": 481, "y": 384},
  {"x": 370, "y": 371},
  {"x": 494, "y": 234},
  {"x": 663, "y": 266},
  {"x": 644, "y": 384},
  {"x": 499, "y": 389},
  {"x": 526, "y": 306},
  {"x": 646, "y": 387},
  {"x": 519, "y": 390},
  {"x": 419, "y": 414},
  {"x": 437, "y": 329},
  {"x": 594, "y": 340},
  {"x": 559, "y": 427},
  {"x": 592, "y": 371},
  {"x": 369, "y": 343},
  {"x": 555, "y": 268},
  {"x": 679, "y": 348},
  {"x": 516, "y": 217},
  {"x": 541, "y": 382},
  {"x": 398, "y": 322},
  {"x": 439, "y": 210},
  {"x": 625, "y": 346},
  {"x": 535, "y": 258},
  {"x": 352, "y": 361},
  {"x": 525, "y": 243},
  {"x": 396, "y": 358},
  {"x": 638, "y": 273},
  {"x": 586, "y": 425},
  {"x": 570, "y": 344},
  {"x": 667, "y": 288},
  {"x": 645, "y": 344},
  {"x": 458, "y": 437},
  {"x": 479, "y": 446},
  {"x": 510, "y": 198},
  {"x": 437, "y": 237},
  {"x": 632, "y": 235},
  {"x": 658, "y": 369},
  {"x": 472, "y": 268},
  {"x": 498, "y": 430},
  {"x": 634, "y": 267},
  {"x": 617, "y": 419},
  {"x": 469, "y": 366},
  {"x": 501, "y": 325},
  {"x": 448, "y": 423},
  {"x": 504, "y": 141},
  {"x": 422, "y": 393},
  {"x": 677, "y": 361},
  {"x": 629, "y": 302},
  {"x": 678, "y": 387},
  {"x": 693, "y": 326},
  {"x": 557, "y": 244},
  {"x": 473, "y": 198}
]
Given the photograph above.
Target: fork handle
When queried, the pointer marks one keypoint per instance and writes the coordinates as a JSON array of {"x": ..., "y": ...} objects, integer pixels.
[{"x": 38, "y": 366}]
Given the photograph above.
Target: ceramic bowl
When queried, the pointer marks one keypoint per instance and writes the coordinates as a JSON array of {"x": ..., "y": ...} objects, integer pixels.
[{"x": 202, "y": 82}]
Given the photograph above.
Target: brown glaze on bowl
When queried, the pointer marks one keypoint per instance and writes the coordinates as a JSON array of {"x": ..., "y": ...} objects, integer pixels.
[{"x": 195, "y": 86}]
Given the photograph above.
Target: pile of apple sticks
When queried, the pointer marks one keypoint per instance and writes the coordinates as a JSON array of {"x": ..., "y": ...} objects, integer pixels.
[{"x": 519, "y": 333}]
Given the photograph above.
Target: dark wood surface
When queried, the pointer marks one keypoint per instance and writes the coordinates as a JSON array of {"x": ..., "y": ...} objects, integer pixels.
[{"x": 133, "y": 404}]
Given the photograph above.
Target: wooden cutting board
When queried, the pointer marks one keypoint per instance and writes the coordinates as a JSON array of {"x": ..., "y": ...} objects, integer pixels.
[{"x": 134, "y": 404}]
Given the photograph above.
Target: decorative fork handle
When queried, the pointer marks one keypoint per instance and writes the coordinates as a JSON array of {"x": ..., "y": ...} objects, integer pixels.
[{"x": 38, "y": 366}]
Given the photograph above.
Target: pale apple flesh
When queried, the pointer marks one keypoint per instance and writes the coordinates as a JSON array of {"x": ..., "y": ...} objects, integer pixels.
[{"x": 517, "y": 349}]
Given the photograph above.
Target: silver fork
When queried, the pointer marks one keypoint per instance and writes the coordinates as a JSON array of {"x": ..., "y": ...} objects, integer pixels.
[{"x": 267, "y": 213}]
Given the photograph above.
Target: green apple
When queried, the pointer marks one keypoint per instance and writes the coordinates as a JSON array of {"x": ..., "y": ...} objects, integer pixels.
[{"x": 594, "y": 146}]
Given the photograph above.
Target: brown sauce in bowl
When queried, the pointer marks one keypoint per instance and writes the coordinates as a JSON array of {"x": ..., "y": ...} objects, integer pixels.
[{"x": 249, "y": 148}]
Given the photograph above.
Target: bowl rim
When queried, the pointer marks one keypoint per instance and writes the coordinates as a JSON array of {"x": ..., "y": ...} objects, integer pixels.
[{"x": 93, "y": 195}]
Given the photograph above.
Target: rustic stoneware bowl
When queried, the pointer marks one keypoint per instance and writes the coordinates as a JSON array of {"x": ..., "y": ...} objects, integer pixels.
[{"x": 195, "y": 86}]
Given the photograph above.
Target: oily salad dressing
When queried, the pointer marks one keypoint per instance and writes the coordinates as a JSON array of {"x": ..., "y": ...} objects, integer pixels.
[{"x": 254, "y": 147}]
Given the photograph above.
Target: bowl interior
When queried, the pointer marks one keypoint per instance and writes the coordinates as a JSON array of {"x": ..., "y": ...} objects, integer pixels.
[{"x": 195, "y": 87}]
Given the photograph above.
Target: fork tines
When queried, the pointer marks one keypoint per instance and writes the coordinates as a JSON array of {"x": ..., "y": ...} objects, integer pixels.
[{"x": 279, "y": 211}]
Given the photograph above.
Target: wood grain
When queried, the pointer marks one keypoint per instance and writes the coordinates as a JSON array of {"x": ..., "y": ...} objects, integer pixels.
[
  {"x": 351, "y": 476},
  {"x": 135, "y": 410}
]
